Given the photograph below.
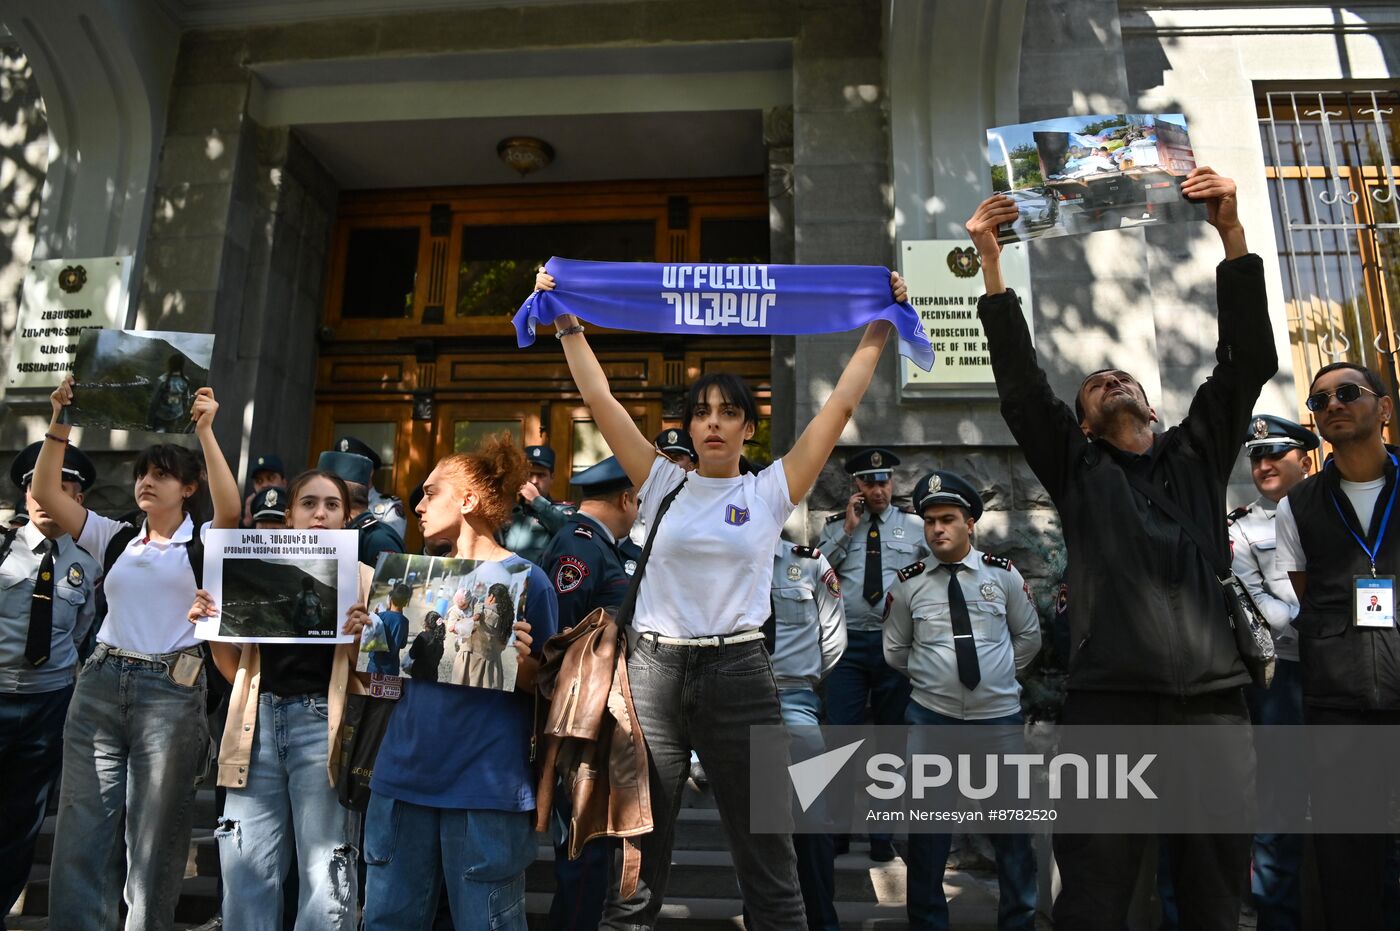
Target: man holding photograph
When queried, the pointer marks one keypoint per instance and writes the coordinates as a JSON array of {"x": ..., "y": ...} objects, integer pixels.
[{"x": 1153, "y": 646}]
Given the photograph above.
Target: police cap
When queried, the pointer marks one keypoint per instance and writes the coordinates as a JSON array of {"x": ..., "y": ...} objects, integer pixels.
[
  {"x": 352, "y": 467},
  {"x": 605, "y": 478},
  {"x": 76, "y": 466},
  {"x": 1270, "y": 436},
  {"x": 350, "y": 444},
  {"x": 540, "y": 456},
  {"x": 675, "y": 440},
  {"x": 947, "y": 488},
  {"x": 270, "y": 504},
  {"x": 268, "y": 463},
  {"x": 874, "y": 464}
]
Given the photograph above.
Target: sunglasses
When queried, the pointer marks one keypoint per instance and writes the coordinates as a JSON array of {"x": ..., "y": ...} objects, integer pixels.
[{"x": 1347, "y": 394}]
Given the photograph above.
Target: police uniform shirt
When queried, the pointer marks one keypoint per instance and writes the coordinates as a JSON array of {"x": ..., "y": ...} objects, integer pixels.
[
  {"x": 901, "y": 543},
  {"x": 389, "y": 510},
  {"x": 375, "y": 537},
  {"x": 75, "y": 574},
  {"x": 1253, "y": 542},
  {"x": 810, "y": 622},
  {"x": 1005, "y": 629},
  {"x": 586, "y": 569},
  {"x": 532, "y": 526}
]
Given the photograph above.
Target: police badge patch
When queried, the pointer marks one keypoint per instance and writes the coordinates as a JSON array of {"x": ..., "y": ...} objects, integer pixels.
[
  {"x": 345, "y": 446},
  {"x": 989, "y": 591},
  {"x": 270, "y": 498},
  {"x": 1261, "y": 428},
  {"x": 876, "y": 460},
  {"x": 569, "y": 575},
  {"x": 794, "y": 573},
  {"x": 75, "y": 575},
  {"x": 672, "y": 436},
  {"x": 630, "y": 567},
  {"x": 833, "y": 582},
  {"x": 935, "y": 484}
]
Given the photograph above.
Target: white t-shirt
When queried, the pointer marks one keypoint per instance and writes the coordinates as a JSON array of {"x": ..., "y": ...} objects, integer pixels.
[
  {"x": 1288, "y": 556},
  {"x": 711, "y": 567},
  {"x": 149, "y": 590}
]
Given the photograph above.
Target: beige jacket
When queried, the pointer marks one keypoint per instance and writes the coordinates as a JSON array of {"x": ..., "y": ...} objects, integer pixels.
[{"x": 236, "y": 748}]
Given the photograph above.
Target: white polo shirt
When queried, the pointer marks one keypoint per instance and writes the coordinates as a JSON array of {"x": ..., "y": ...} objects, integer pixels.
[
  {"x": 149, "y": 590},
  {"x": 711, "y": 567}
]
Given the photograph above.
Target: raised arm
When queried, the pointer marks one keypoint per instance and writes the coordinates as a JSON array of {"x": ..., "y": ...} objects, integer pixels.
[
  {"x": 48, "y": 471},
  {"x": 632, "y": 449},
  {"x": 223, "y": 488},
  {"x": 804, "y": 461}
]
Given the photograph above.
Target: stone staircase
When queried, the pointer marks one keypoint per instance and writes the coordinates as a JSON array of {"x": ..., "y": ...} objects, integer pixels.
[{"x": 703, "y": 893}]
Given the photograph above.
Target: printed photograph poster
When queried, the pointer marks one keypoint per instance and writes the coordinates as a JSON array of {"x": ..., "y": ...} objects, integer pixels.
[
  {"x": 444, "y": 620},
  {"x": 280, "y": 586},
  {"x": 1083, "y": 174},
  {"x": 138, "y": 379}
]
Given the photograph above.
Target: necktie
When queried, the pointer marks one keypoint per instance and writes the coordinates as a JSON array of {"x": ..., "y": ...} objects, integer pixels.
[
  {"x": 874, "y": 585},
  {"x": 36, "y": 644},
  {"x": 969, "y": 673}
]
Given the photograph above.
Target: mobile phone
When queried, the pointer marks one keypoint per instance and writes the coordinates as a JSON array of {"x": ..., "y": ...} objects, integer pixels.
[
  {"x": 860, "y": 505},
  {"x": 186, "y": 670}
]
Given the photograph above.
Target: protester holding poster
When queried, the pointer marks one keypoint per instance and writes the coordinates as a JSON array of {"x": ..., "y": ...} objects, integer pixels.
[
  {"x": 699, "y": 672},
  {"x": 136, "y": 739},
  {"x": 453, "y": 791},
  {"x": 283, "y": 721}
]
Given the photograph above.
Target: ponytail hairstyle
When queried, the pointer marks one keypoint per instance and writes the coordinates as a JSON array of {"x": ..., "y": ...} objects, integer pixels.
[
  {"x": 294, "y": 489},
  {"x": 186, "y": 465},
  {"x": 495, "y": 471}
]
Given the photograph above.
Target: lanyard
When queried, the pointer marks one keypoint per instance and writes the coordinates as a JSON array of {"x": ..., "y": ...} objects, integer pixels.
[{"x": 1371, "y": 551}]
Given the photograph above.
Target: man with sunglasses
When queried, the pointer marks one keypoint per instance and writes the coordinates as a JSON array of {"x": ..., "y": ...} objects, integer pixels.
[
  {"x": 1280, "y": 457},
  {"x": 1338, "y": 542},
  {"x": 1150, "y": 638}
]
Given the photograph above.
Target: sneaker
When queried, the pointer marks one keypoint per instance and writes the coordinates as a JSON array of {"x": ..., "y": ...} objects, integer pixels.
[{"x": 881, "y": 851}]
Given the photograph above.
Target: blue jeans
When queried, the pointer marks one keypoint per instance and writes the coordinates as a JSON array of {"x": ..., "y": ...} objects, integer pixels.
[
  {"x": 288, "y": 799},
  {"x": 580, "y": 886},
  {"x": 706, "y": 699},
  {"x": 928, "y": 853},
  {"x": 31, "y": 751},
  {"x": 1278, "y": 858},
  {"x": 816, "y": 868},
  {"x": 134, "y": 743},
  {"x": 483, "y": 854},
  {"x": 862, "y": 676}
]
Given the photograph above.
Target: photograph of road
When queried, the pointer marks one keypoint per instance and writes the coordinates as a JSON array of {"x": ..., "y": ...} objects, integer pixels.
[
  {"x": 279, "y": 597},
  {"x": 139, "y": 379},
  {"x": 1083, "y": 174},
  {"x": 444, "y": 620}
]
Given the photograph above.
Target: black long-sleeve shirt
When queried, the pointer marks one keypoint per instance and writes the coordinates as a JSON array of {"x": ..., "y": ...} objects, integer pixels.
[{"x": 1146, "y": 612}]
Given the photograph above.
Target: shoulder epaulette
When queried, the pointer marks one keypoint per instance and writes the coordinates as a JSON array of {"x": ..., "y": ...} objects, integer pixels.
[
  {"x": 806, "y": 552},
  {"x": 581, "y": 531},
  {"x": 1236, "y": 514},
  {"x": 908, "y": 572},
  {"x": 839, "y": 515},
  {"x": 1001, "y": 562}
]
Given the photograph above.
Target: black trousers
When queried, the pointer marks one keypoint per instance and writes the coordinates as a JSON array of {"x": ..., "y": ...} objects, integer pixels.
[
  {"x": 1098, "y": 872},
  {"x": 1353, "y": 871}
]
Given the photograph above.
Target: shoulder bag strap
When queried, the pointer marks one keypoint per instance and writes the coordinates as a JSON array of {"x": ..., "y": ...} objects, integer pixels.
[
  {"x": 1214, "y": 556},
  {"x": 9, "y": 543},
  {"x": 629, "y": 604}
]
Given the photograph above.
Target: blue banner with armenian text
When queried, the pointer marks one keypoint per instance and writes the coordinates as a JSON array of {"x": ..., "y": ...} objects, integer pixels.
[{"x": 757, "y": 300}]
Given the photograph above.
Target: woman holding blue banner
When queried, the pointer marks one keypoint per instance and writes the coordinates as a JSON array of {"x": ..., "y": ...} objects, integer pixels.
[{"x": 699, "y": 672}]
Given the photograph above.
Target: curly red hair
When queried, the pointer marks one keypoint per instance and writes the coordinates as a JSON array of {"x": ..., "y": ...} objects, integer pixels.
[{"x": 495, "y": 471}]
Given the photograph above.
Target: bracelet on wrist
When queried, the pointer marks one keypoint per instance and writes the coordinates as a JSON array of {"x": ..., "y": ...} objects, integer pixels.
[
  {"x": 569, "y": 331},
  {"x": 56, "y": 439}
]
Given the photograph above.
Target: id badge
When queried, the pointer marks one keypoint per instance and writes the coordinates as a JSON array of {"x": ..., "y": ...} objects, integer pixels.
[{"x": 1374, "y": 599}]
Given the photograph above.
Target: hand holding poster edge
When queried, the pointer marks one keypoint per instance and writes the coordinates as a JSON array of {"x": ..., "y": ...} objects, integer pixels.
[{"x": 759, "y": 299}]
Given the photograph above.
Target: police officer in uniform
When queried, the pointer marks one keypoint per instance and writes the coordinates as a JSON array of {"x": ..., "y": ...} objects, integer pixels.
[
  {"x": 807, "y": 635},
  {"x": 867, "y": 544},
  {"x": 47, "y": 606},
  {"x": 587, "y": 568},
  {"x": 267, "y": 472},
  {"x": 676, "y": 443},
  {"x": 269, "y": 508},
  {"x": 961, "y": 626},
  {"x": 386, "y": 508},
  {"x": 536, "y": 519},
  {"x": 375, "y": 536}
]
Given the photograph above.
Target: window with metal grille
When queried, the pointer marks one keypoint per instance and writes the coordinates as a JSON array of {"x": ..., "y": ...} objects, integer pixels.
[{"x": 1335, "y": 189}]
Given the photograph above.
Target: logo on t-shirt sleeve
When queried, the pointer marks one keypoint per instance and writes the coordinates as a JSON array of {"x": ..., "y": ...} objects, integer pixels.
[{"x": 736, "y": 516}]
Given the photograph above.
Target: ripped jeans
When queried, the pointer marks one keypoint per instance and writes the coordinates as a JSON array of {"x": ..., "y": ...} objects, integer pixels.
[{"x": 288, "y": 799}]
